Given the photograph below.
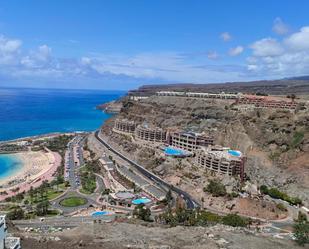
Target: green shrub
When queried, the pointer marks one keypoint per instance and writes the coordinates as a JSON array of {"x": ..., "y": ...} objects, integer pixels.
[
  {"x": 301, "y": 233},
  {"x": 235, "y": 220},
  {"x": 297, "y": 139},
  {"x": 216, "y": 188},
  {"x": 281, "y": 207},
  {"x": 277, "y": 194}
]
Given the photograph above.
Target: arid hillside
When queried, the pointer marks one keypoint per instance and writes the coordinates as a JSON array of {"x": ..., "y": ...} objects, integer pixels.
[{"x": 275, "y": 142}]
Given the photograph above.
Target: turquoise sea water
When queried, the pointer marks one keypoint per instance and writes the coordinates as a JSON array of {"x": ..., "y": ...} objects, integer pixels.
[
  {"x": 28, "y": 112},
  {"x": 9, "y": 164}
]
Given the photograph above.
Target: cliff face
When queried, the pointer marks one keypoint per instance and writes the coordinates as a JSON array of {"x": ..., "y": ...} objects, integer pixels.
[{"x": 276, "y": 142}]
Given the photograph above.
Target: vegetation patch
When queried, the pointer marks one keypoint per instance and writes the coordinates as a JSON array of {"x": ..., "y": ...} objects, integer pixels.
[
  {"x": 277, "y": 194},
  {"x": 216, "y": 188},
  {"x": 88, "y": 182},
  {"x": 189, "y": 217},
  {"x": 297, "y": 139},
  {"x": 73, "y": 201}
]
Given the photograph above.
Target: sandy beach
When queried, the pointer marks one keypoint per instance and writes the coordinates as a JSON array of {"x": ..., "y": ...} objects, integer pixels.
[{"x": 37, "y": 167}]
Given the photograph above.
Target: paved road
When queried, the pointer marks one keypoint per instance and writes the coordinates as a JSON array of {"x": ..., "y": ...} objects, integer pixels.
[
  {"x": 75, "y": 160},
  {"x": 191, "y": 203}
]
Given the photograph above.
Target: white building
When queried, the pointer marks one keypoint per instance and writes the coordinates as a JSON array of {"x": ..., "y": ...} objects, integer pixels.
[{"x": 7, "y": 242}]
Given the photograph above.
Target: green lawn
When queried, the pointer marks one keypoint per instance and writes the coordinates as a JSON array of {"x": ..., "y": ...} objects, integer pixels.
[
  {"x": 85, "y": 191},
  {"x": 52, "y": 194},
  {"x": 73, "y": 201}
]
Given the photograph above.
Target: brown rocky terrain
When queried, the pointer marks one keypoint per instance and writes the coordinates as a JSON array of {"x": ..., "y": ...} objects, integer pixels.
[
  {"x": 126, "y": 235},
  {"x": 275, "y": 142}
]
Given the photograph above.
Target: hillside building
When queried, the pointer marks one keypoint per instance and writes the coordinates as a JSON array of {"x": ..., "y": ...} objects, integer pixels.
[
  {"x": 201, "y": 95},
  {"x": 189, "y": 141},
  {"x": 221, "y": 160},
  {"x": 124, "y": 125},
  {"x": 152, "y": 134},
  {"x": 266, "y": 102}
]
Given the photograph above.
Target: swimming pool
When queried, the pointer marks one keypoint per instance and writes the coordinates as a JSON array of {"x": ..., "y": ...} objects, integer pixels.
[
  {"x": 234, "y": 153},
  {"x": 99, "y": 213},
  {"x": 141, "y": 201},
  {"x": 171, "y": 151}
]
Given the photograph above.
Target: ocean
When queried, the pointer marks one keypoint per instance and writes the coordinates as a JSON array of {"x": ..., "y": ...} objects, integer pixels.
[{"x": 28, "y": 112}]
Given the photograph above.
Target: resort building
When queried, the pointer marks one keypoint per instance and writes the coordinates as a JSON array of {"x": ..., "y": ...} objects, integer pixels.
[
  {"x": 137, "y": 98},
  {"x": 189, "y": 141},
  {"x": 221, "y": 160},
  {"x": 124, "y": 125},
  {"x": 123, "y": 198},
  {"x": 201, "y": 95},
  {"x": 153, "y": 134},
  {"x": 7, "y": 242},
  {"x": 266, "y": 102}
]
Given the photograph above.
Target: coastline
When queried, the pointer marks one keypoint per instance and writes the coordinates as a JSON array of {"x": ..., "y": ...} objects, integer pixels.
[
  {"x": 41, "y": 136},
  {"x": 37, "y": 167}
]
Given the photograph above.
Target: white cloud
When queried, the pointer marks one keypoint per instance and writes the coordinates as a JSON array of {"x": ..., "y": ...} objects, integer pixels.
[
  {"x": 279, "y": 27},
  {"x": 38, "y": 58},
  {"x": 267, "y": 47},
  {"x": 43, "y": 53},
  {"x": 212, "y": 55},
  {"x": 236, "y": 51},
  {"x": 9, "y": 45},
  {"x": 288, "y": 57},
  {"x": 226, "y": 36},
  {"x": 299, "y": 40},
  {"x": 9, "y": 49}
]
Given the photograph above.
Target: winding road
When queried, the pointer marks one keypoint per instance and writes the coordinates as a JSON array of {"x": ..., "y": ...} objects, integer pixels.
[{"x": 191, "y": 203}]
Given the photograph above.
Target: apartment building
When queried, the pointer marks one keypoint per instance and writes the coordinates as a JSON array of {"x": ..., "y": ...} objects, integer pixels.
[
  {"x": 152, "y": 134},
  {"x": 124, "y": 125},
  {"x": 189, "y": 141},
  {"x": 201, "y": 95},
  {"x": 264, "y": 102},
  {"x": 221, "y": 160}
]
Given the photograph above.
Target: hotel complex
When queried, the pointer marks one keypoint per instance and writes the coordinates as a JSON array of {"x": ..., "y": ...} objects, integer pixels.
[
  {"x": 189, "y": 141},
  {"x": 264, "y": 102},
  {"x": 213, "y": 158},
  {"x": 201, "y": 95},
  {"x": 7, "y": 242},
  {"x": 153, "y": 134},
  {"x": 221, "y": 160},
  {"x": 239, "y": 98},
  {"x": 124, "y": 125}
]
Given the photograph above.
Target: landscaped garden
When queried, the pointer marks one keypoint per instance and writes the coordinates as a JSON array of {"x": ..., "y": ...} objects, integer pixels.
[{"x": 73, "y": 201}]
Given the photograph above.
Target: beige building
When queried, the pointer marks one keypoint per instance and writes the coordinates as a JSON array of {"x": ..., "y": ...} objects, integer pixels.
[
  {"x": 189, "y": 141},
  {"x": 124, "y": 125},
  {"x": 221, "y": 160},
  {"x": 153, "y": 134}
]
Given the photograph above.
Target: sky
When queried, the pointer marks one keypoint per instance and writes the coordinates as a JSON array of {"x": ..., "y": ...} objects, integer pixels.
[{"x": 122, "y": 44}]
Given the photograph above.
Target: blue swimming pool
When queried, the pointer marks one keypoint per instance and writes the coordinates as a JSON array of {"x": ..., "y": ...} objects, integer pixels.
[
  {"x": 141, "y": 201},
  {"x": 99, "y": 213},
  {"x": 234, "y": 153},
  {"x": 171, "y": 151}
]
